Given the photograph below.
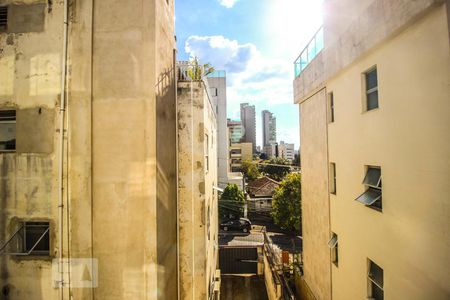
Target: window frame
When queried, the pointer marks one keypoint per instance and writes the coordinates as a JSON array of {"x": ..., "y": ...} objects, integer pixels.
[
  {"x": 367, "y": 92},
  {"x": 331, "y": 112},
  {"x": 371, "y": 282},
  {"x": 206, "y": 149},
  {"x": 4, "y": 28},
  {"x": 333, "y": 180},
  {"x": 11, "y": 119},
  {"x": 377, "y": 204},
  {"x": 333, "y": 243}
]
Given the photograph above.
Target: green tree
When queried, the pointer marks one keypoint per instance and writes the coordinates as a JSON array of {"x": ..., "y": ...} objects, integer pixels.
[
  {"x": 286, "y": 203},
  {"x": 275, "y": 169},
  {"x": 232, "y": 202},
  {"x": 197, "y": 71},
  {"x": 250, "y": 170}
]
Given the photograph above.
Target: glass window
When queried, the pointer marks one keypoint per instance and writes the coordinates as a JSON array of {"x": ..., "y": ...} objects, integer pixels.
[
  {"x": 331, "y": 107},
  {"x": 373, "y": 177},
  {"x": 376, "y": 281},
  {"x": 370, "y": 196},
  {"x": 371, "y": 79},
  {"x": 333, "y": 244},
  {"x": 7, "y": 130},
  {"x": 333, "y": 178},
  {"x": 36, "y": 239}
]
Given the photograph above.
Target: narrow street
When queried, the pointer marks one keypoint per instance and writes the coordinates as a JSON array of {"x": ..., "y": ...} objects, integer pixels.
[{"x": 251, "y": 287}]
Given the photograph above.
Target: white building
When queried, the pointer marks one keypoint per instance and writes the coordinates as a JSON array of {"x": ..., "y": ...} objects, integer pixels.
[{"x": 286, "y": 151}]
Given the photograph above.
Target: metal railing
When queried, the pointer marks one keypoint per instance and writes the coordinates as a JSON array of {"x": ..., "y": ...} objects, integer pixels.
[
  {"x": 311, "y": 50},
  {"x": 189, "y": 71}
]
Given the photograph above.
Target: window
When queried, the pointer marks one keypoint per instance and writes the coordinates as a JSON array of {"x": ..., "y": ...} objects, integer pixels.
[
  {"x": 375, "y": 280},
  {"x": 331, "y": 107},
  {"x": 372, "y": 196},
  {"x": 206, "y": 145},
  {"x": 371, "y": 88},
  {"x": 214, "y": 92},
  {"x": 7, "y": 130},
  {"x": 37, "y": 238},
  {"x": 333, "y": 178},
  {"x": 3, "y": 17},
  {"x": 333, "y": 244},
  {"x": 32, "y": 238}
]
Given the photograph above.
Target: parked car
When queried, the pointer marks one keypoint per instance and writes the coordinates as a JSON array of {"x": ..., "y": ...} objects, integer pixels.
[{"x": 241, "y": 224}]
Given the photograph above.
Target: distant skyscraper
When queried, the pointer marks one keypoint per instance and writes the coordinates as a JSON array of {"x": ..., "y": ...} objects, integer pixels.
[
  {"x": 249, "y": 122},
  {"x": 269, "y": 127}
]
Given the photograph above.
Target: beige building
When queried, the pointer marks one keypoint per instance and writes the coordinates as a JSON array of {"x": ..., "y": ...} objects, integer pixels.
[
  {"x": 238, "y": 153},
  {"x": 373, "y": 88},
  {"x": 88, "y": 156},
  {"x": 197, "y": 181}
]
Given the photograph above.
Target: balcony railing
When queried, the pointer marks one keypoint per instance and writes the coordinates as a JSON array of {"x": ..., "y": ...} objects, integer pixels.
[{"x": 309, "y": 53}]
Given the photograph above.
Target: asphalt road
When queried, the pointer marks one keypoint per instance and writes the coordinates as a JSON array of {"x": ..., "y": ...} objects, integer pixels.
[{"x": 243, "y": 288}]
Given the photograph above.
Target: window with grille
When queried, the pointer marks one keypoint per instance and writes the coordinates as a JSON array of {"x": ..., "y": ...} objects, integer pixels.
[
  {"x": 31, "y": 238},
  {"x": 3, "y": 17}
]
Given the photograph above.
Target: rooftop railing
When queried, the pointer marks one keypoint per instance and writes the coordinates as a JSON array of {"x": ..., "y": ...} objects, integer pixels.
[{"x": 311, "y": 50}]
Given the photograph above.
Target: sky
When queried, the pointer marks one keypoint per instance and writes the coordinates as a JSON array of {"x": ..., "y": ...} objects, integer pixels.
[{"x": 256, "y": 43}]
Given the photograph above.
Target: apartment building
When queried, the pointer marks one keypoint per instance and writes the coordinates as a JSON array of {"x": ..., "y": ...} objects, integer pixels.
[
  {"x": 88, "y": 156},
  {"x": 248, "y": 119},
  {"x": 198, "y": 201},
  {"x": 286, "y": 151},
  {"x": 269, "y": 131},
  {"x": 236, "y": 131},
  {"x": 373, "y": 87},
  {"x": 238, "y": 153}
]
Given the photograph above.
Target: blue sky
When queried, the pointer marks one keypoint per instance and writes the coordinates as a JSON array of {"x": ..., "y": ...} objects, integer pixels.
[{"x": 256, "y": 43}]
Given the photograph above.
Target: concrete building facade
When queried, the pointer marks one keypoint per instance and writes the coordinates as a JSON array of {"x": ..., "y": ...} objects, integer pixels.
[
  {"x": 286, "y": 151},
  {"x": 238, "y": 153},
  {"x": 269, "y": 129},
  {"x": 88, "y": 156},
  {"x": 374, "y": 120},
  {"x": 198, "y": 202},
  {"x": 248, "y": 119},
  {"x": 217, "y": 83}
]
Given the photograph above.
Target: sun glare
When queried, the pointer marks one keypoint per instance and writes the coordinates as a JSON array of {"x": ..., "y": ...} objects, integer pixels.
[{"x": 291, "y": 23}]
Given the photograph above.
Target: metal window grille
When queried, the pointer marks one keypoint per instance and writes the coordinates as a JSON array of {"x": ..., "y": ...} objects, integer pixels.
[
  {"x": 32, "y": 238},
  {"x": 3, "y": 17}
]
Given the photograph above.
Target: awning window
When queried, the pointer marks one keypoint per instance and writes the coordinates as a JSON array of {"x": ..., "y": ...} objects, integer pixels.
[
  {"x": 369, "y": 197},
  {"x": 373, "y": 177}
]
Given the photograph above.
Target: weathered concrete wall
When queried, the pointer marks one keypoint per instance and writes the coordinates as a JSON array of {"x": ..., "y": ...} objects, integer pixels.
[
  {"x": 315, "y": 200},
  {"x": 407, "y": 137},
  {"x": 198, "y": 206},
  {"x": 120, "y": 171},
  {"x": 29, "y": 83},
  {"x": 134, "y": 224}
]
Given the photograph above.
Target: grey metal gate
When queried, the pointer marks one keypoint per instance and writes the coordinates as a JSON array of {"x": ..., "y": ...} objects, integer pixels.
[{"x": 234, "y": 260}]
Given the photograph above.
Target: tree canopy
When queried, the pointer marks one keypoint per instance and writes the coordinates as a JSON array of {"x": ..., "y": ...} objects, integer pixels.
[
  {"x": 231, "y": 203},
  {"x": 276, "y": 172},
  {"x": 250, "y": 170},
  {"x": 286, "y": 203}
]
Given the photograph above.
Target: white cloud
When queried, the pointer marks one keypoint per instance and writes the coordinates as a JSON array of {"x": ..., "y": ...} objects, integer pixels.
[
  {"x": 251, "y": 76},
  {"x": 228, "y": 3}
]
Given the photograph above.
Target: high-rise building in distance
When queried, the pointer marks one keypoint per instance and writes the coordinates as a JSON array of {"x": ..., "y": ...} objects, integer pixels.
[{"x": 248, "y": 120}]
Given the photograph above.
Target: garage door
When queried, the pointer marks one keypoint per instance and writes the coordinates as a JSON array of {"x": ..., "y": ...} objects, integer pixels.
[{"x": 238, "y": 260}]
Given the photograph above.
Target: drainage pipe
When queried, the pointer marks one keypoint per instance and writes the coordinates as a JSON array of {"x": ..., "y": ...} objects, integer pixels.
[{"x": 61, "y": 151}]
